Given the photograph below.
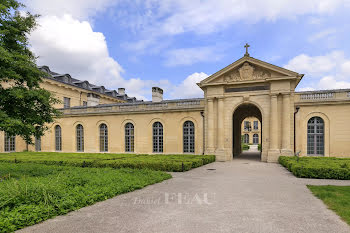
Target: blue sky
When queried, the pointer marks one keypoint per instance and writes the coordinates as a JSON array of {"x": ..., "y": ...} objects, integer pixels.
[{"x": 174, "y": 44}]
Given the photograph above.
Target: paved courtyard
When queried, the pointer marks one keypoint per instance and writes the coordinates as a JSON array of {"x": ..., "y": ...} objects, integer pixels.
[{"x": 244, "y": 195}]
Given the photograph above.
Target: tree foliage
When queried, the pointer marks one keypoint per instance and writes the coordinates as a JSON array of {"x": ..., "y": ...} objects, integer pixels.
[{"x": 25, "y": 108}]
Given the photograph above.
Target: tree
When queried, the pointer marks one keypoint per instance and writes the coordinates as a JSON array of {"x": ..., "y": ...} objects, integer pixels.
[{"x": 25, "y": 108}]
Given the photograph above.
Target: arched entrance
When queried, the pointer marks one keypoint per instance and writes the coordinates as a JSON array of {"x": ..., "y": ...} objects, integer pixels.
[{"x": 242, "y": 112}]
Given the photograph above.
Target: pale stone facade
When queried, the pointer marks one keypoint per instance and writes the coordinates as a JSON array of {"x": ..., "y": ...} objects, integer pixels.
[
  {"x": 212, "y": 125},
  {"x": 251, "y": 131}
]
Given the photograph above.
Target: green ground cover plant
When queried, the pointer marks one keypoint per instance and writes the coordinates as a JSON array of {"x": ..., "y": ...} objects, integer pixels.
[
  {"x": 337, "y": 198},
  {"x": 317, "y": 167},
  {"x": 161, "y": 162},
  {"x": 32, "y": 193},
  {"x": 245, "y": 147}
]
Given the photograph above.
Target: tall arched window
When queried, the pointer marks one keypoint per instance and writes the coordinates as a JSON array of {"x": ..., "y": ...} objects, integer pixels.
[
  {"x": 157, "y": 137},
  {"x": 246, "y": 138},
  {"x": 129, "y": 137},
  {"x": 80, "y": 138},
  {"x": 37, "y": 143},
  {"x": 188, "y": 137},
  {"x": 255, "y": 139},
  {"x": 10, "y": 143},
  {"x": 315, "y": 136},
  {"x": 103, "y": 138},
  {"x": 58, "y": 138}
]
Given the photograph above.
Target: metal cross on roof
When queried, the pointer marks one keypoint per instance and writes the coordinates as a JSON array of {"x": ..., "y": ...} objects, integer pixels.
[{"x": 246, "y": 46}]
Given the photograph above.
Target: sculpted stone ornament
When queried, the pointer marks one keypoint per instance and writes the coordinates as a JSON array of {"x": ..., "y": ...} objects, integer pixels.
[{"x": 247, "y": 72}]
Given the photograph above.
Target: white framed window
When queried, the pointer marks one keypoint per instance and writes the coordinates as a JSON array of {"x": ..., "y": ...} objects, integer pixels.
[
  {"x": 129, "y": 137},
  {"x": 247, "y": 126},
  {"x": 80, "y": 138},
  {"x": 58, "y": 138},
  {"x": 255, "y": 139},
  {"x": 246, "y": 138},
  {"x": 256, "y": 125},
  {"x": 103, "y": 138},
  {"x": 157, "y": 137},
  {"x": 315, "y": 136},
  {"x": 37, "y": 143},
  {"x": 10, "y": 143},
  {"x": 66, "y": 102},
  {"x": 188, "y": 137}
]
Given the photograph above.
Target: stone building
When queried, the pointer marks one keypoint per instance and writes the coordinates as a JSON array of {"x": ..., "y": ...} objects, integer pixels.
[
  {"x": 251, "y": 131},
  {"x": 98, "y": 120}
]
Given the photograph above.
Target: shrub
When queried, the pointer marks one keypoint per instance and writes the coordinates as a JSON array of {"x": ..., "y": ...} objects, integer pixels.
[
  {"x": 161, "y": 162},
  {"x": 245, "y": 147},
  {"x": 317, "y": 167},
  {"x": 37, "y": 192},
  {"x": 259, "y": 147}
]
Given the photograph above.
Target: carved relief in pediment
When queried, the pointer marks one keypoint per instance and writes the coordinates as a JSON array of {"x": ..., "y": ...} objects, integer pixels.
[{"x": 247, "y": 72}]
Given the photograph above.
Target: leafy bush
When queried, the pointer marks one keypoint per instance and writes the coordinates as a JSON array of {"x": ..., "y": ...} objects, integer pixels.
[
  {"x": 259, "y": 147},
  {"x": 161, "y": 162},
  {"x": 32, "y": 193},
  {"x": 317, "y": 167},
  {"x": 245, "y": 147}
]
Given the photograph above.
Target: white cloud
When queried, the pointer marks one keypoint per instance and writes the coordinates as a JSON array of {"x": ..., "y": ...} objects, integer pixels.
[
  {"x": 330, "y": 82},
  {"x": 325, "y": 34},
  {"x": 173, "y": 17},
  {"x": 68, "y": 45},
  {"x": 316, "y": 65},
  {"x": 188, "y": 88},
  {"x": 331, "y": 70},
  {"x": 81, "y": 9},
  {"x": 189, "y": 56}
]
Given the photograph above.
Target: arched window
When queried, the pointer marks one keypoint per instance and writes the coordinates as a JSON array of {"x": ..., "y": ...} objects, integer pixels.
[
  {"x": 246, "y": 138},
  {"x": 129, "y": 137},
  {"x": 37, "y": 143},
  {"x": 103, "y": 138},
  {"x": 10, "y": 143},
  {"x": 255, "y": 139},
  {"x": 58, "y": 138},
  {"x": 157, "y": 137},
  {"x": 315, "y": 136},
  {"x": 188, "y": 137},
  {"x": 80, "y": 138}
]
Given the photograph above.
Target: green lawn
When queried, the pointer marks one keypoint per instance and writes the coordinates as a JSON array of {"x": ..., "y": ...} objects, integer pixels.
[
  {"x": 161, "y": 162},
  {"x": 337, "y": 198},
  {"x": 31, "y": 193},
  {"x": 318, "y": 167}
]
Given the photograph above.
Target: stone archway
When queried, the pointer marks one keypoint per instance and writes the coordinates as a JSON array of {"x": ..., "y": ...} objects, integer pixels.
[{"x": 241, "y": 112}]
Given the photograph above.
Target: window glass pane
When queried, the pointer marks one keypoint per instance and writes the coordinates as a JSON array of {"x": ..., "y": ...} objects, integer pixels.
[
  {"x": 315, "y": 136},
  {"x": 58, "y": 138},
  {"x": 157, "y": 137}
]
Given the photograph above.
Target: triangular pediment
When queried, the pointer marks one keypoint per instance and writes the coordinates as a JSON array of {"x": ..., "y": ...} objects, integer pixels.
[{"x": 248, "y": 69}]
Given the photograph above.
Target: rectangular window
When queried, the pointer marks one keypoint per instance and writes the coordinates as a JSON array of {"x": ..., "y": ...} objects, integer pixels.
[
  {"x": 10, "y": 143},
  {"x": 256, "y": 125},
  {"x": 247, "y": 126},
  {"x": 84, "y": 103},
  {"x": 66, "y": 102}
]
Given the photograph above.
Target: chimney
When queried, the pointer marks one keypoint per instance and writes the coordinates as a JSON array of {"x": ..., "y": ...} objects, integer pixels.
[
  {"x": 121, "y": 91},
  {"x": 157, "y": 94}
]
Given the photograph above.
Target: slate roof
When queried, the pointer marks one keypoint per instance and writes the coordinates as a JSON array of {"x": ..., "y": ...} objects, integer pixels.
[{"x": 67, "y": 79}]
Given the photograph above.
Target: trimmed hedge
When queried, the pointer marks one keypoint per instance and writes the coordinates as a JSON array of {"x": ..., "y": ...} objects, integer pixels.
[
  {"x": 245, "y": 147},
  {"x": 317, "y": 167},
  {"x": 171, "y": 163}
]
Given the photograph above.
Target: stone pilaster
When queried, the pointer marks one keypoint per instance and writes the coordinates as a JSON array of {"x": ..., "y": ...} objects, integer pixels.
[
  {"x": 210, "y": 132},
  {"x": 220, "y": 128},
  {"x": 286, "y": 150},
  {"x": 274, "y": 151}
]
